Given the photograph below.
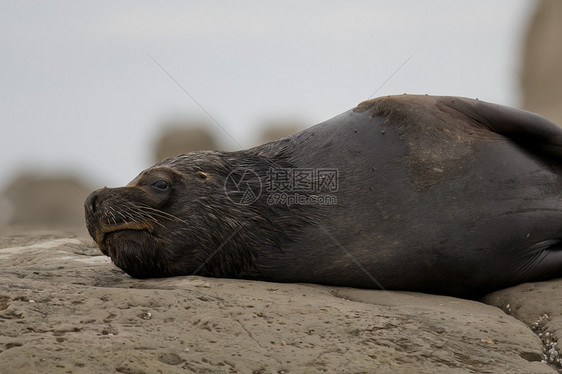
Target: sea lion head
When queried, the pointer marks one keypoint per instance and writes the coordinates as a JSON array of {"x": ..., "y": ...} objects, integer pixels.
[
  {"x": 140, "y": 225},
  {"x": 176, "y": 218}
]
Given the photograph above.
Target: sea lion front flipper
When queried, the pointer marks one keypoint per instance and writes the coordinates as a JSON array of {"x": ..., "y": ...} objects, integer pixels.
[{"x": 526, "y": 128}]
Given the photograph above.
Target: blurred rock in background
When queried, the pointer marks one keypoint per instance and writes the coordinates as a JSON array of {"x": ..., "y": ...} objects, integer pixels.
[
  {"x": 277, "y": 129},
  {"x": 541, "y": 73},
  {"x": 183, "y": 137},
  {"x": 33, "y": 200}
]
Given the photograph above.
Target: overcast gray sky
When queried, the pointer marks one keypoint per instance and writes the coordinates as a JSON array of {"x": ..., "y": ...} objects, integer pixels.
[{"x": 79, "y": 91}]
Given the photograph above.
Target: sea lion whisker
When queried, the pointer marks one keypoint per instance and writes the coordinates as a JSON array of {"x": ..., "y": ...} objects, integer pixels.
[
  {"x": 121, "y": 214},
  {"x": 112, "y": 216},
  {"x": 164, "y": 214},
  {"x": 143, "y": 217},
  {"x": 149, "y": 217},
  {"x": 152, "y": 209},
  {"x": 113, "y": 210},
  {"x": 145, "y": 209},
  {"x": 158, "y": 215},
  {"x": 142, "y": 214},
  {"x": 131, "y": 218},
  {"x": 137, "y": 216}
]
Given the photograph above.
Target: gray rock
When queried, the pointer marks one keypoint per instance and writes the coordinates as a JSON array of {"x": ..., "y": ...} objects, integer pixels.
[
  {"x": 541, "y": 70},
  {"x": 177, "y": 139},
  {"x": 539, "y": 306},
  {"x": 52, "y": 201},
  {"x": 65, "y": 308}
]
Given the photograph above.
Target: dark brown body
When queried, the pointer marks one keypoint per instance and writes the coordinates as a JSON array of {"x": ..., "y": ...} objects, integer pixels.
[{"x": 434, "y": 194}]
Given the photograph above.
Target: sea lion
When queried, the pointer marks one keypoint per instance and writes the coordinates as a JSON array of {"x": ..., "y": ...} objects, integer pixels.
[{"x": 436, "y": 194}]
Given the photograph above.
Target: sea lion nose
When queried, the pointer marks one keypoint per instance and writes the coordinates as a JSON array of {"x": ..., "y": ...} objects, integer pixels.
[{"x": 91, "y": 203}]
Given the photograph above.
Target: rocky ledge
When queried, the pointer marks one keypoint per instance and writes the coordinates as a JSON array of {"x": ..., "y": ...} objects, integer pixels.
[{"x": 66, "y": 308}]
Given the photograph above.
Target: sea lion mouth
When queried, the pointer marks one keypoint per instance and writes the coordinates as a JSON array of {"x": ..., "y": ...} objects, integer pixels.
[
  {"x": 104, "y": 230},
  {"x": 107, "y": 235}
]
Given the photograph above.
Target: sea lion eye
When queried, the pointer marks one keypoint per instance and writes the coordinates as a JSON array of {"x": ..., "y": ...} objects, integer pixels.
[{"x": 161, "y": 184}]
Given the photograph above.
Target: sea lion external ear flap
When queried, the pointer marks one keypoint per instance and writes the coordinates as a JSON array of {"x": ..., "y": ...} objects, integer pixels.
[{"x": 202, "y": 175}]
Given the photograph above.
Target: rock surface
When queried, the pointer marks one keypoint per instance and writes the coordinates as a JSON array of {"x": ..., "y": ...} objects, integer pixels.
[
  {"x": 539, "y": 306},
  {"x": 65, "y": 308}
]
